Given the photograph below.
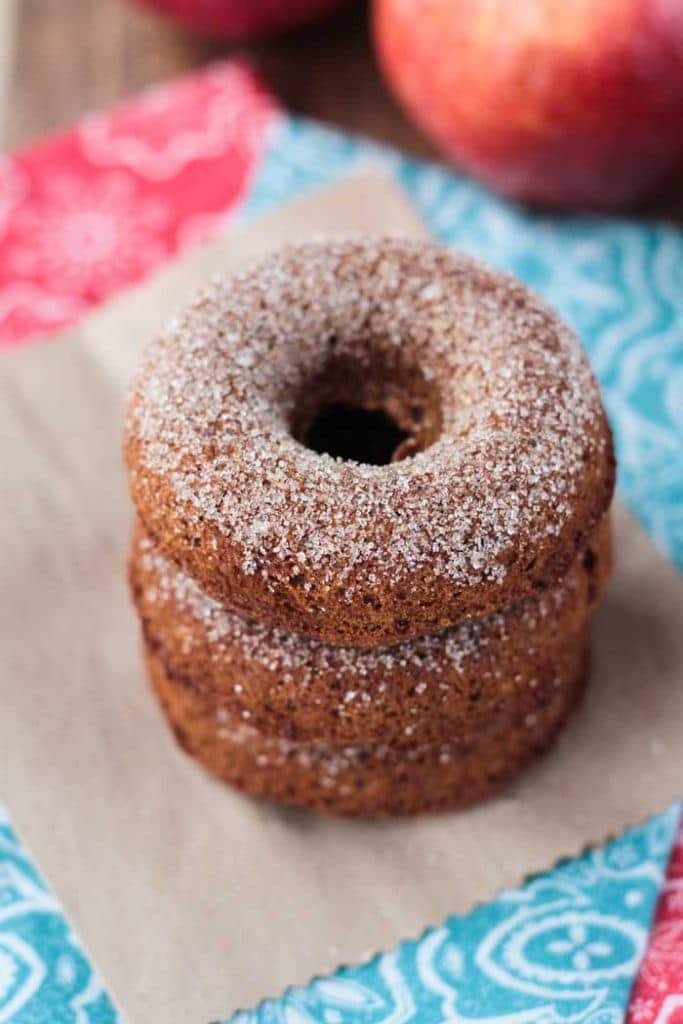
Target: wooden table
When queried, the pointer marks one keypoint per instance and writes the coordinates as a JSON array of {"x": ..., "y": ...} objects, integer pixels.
[
  {"x": 59, "y": 58},
  {"x": 67, "y": 56}
]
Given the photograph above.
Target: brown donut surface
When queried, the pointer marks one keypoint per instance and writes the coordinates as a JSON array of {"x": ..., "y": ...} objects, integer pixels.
[
  {"x": 508, "y": 463},
  {"x": 417, "y": 691},
  {"x": 368, "y": 780}
]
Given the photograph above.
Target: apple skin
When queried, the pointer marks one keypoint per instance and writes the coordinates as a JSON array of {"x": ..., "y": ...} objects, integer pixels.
[
  {"x": 242, "y": 19},
  {"x": 569, "y": 103}
]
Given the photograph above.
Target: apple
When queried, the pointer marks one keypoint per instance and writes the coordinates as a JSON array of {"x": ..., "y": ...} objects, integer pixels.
[
  {"x": 241, "y": 19},
  {"x": 573, "y": 103}
]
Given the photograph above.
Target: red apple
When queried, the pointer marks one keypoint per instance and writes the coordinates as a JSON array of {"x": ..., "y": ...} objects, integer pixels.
[
  {"x": 240, "y": 19},
  {"x": 560, "y": 102}
]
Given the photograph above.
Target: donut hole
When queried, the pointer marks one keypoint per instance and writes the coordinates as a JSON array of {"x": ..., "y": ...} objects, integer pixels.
[
  {"x": 348, "y": 431},
  {"x": 372, "y": 411}
]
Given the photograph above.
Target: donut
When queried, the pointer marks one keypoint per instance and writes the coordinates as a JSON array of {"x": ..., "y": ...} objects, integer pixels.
[
  {"x": 419, "y": 691},
  {"x": 368, "y": 440},
  {"x": 367, "y": 780}
]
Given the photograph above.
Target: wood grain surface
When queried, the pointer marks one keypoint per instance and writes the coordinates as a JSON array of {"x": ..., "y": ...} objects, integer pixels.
[
  {"x": 62, "y": 57},
  {"x": 59, "y": 58}
]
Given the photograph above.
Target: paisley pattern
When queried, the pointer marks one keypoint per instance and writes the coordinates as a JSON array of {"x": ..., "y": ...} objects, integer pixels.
[
  {"x": 620, "y": 284},
  {"x": 657, "y": 996},
  {"x": 91, "y": 210},
  {"x": 563, "y": 948},
  {"x": 171, "y": 127},
  {"x": 45, "y": 977}
]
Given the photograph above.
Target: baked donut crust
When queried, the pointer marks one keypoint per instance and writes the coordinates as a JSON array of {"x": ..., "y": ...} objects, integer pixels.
[
  {"x": 415, "y": 692},
  {"x": 366, "y": 780},
  {"x": 515, "y": 466}
]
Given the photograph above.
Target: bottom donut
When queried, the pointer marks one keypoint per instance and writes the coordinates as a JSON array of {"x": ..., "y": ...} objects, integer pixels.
[{"x": 367, "y": 780}]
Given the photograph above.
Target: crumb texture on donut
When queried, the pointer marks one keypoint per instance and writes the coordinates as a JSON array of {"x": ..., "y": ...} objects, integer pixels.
[
  {"x": 507, "y": 466},
  {"x": 417, "y": 691},
  {"x": 368, "y": 780}
]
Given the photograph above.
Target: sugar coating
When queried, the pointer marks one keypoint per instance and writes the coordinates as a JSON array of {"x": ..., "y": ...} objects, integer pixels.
[
  {"x": 302, "y": 658},
  {"x": 335, "y": 759},
  {"x": 522, "y": 425}
]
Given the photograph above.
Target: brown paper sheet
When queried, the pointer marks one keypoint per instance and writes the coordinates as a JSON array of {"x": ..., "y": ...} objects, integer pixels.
[{"x": 193, "y": 900}]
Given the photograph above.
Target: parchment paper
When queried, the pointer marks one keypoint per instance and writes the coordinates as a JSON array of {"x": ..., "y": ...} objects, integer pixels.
[{"x": 193, "y": 900}]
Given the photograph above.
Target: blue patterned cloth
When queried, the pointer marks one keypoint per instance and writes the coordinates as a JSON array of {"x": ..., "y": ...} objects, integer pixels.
[
  {"x": 566, "y": 946},
  {"x": 45, "y": 977},
  {"x": 563, "y": 948},
  {"x": 619, "y": 283}
]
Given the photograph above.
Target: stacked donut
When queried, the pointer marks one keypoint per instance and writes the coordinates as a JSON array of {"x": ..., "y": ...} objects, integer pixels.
[{"x": 356, "y": 637}]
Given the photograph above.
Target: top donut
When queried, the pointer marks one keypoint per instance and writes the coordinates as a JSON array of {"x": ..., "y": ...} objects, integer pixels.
[{"x": 505, "y": 468}]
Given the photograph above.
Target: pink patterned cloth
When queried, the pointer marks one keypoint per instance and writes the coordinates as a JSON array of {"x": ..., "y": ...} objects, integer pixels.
[
  {"x": 657, "y": 996},
  {"x": 89, "y": 211}
]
